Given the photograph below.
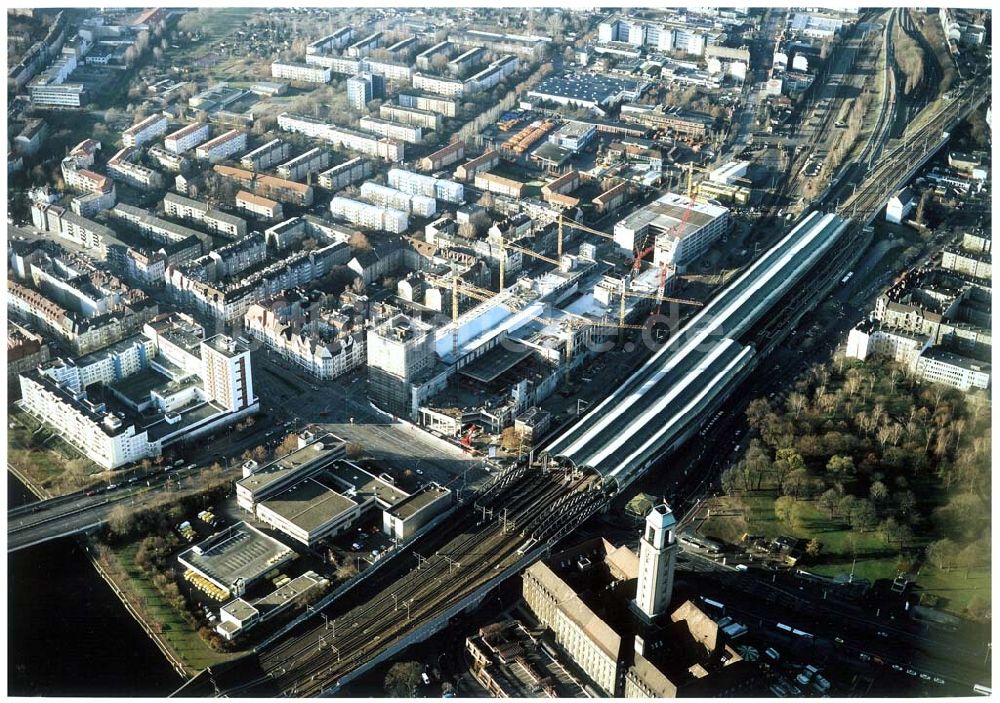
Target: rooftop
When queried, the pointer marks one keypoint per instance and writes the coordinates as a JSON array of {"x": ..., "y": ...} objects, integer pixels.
[{"x": 240, "y": 552}]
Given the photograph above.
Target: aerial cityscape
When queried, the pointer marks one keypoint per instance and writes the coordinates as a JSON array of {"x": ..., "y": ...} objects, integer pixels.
[{"x": 499, "y": 352}]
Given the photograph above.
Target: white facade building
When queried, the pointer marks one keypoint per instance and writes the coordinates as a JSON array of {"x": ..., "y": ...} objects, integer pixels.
[
  {"x": 186, "y": 138},
  {"x": 146, "y": 131},
  {"x": 304, "y": 72},
  {"x": 657, "y": 559},
  {"x": 369, "y": 216}
]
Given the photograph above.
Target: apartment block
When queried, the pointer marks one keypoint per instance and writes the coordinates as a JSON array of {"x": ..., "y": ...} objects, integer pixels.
[
  {"x": 472, "y": 167},
  {"x": 434, "y": 103},
  {"x": 445, "y": 156},
  {"x": 267, "y": 155},
  {"x": 343, "y": 175},
  {"x": 223, "y": 146},
  {"x": 386, "y": 197},
  {"x": 196, "y": 211},
  {"x": 392, "y": 130},
  {"x": 304, "y": 165},
  {"x": 260, "y": 207},
  {"x": 369, "y": 216},
  {"x": 186, "y": 138},
  {"x": 303, "y": 72},
  {"x": 145, "y": 131},
  {"x": 269, "y": 186},
  {"x": 417, "y": 184},
  {"x": 411, "y": 116}
]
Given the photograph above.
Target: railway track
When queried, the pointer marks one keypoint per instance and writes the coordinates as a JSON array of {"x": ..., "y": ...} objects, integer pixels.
[{"x": 538, "y": 508}]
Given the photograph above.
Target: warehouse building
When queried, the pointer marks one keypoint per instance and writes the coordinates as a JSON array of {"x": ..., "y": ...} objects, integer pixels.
[
  {"x": 236, "y": 558},
  {"x": 589, "y": 90}
]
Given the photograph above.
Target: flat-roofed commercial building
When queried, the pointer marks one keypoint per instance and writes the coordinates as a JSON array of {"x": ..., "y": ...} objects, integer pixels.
[
  {"x": 313, "y": 492},
  {"x": 145, "y": 131},
  {"x": 236, "y": 558},
  {"x": 223, "y": 146},
  {"x": 682, "y": 229},
  {"x": 304, "y": 72},
  {"x": 590, "y": 90},
  {"x": 186, "y": 138},
  {"x": 328, "y": 502},
  {"x": 404, "y": 519}
]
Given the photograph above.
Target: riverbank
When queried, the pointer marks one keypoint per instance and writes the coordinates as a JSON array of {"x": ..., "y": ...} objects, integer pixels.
[
  {"x": 172, "y": 659},
  {"x": 66, "y": 633}
]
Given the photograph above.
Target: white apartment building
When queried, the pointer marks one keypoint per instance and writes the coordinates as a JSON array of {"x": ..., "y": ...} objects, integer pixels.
[
  {"x": 385, "y": 148},
  {"x": 345, "y": 174},
  {"x": 304, "y": 72},
  {"x": 226, "y": 372},
  {"x": 196, "y": 211},
  {"x": 336, "y": 64},
  {"x": 394, "y": 130},
  {"x": 100, "y": 435},
  {"x": 939, "y": 366},
  {"x": 431, "y": 103},
  {"x": 411, "y": 116},
  {"x": 146, "y": 131},
  {"x": 384, "y": 196},
  {"x": 418, "y": 184},
  {"x": 86, "y": 181},
  {"x": 435, "y": 84},
  {"x": 223, "y": 146},
  {"x": 369, "y": 216},
  {"x": 302, "y": 166},
  {"x": 267, "y": 155},
  {"x": 120, "y": 168},
  {"x": 390, "y": 71},
  {"x": 186, "y": 138}
]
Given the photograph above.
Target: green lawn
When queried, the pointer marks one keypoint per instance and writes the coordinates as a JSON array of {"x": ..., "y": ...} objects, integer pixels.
[
  {"x": 841, "y": 546},
  {"x": 177, "y": 633}
]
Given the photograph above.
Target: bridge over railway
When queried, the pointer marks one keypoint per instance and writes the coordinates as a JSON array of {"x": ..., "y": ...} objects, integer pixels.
[{"x": 528, "y": 509}]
